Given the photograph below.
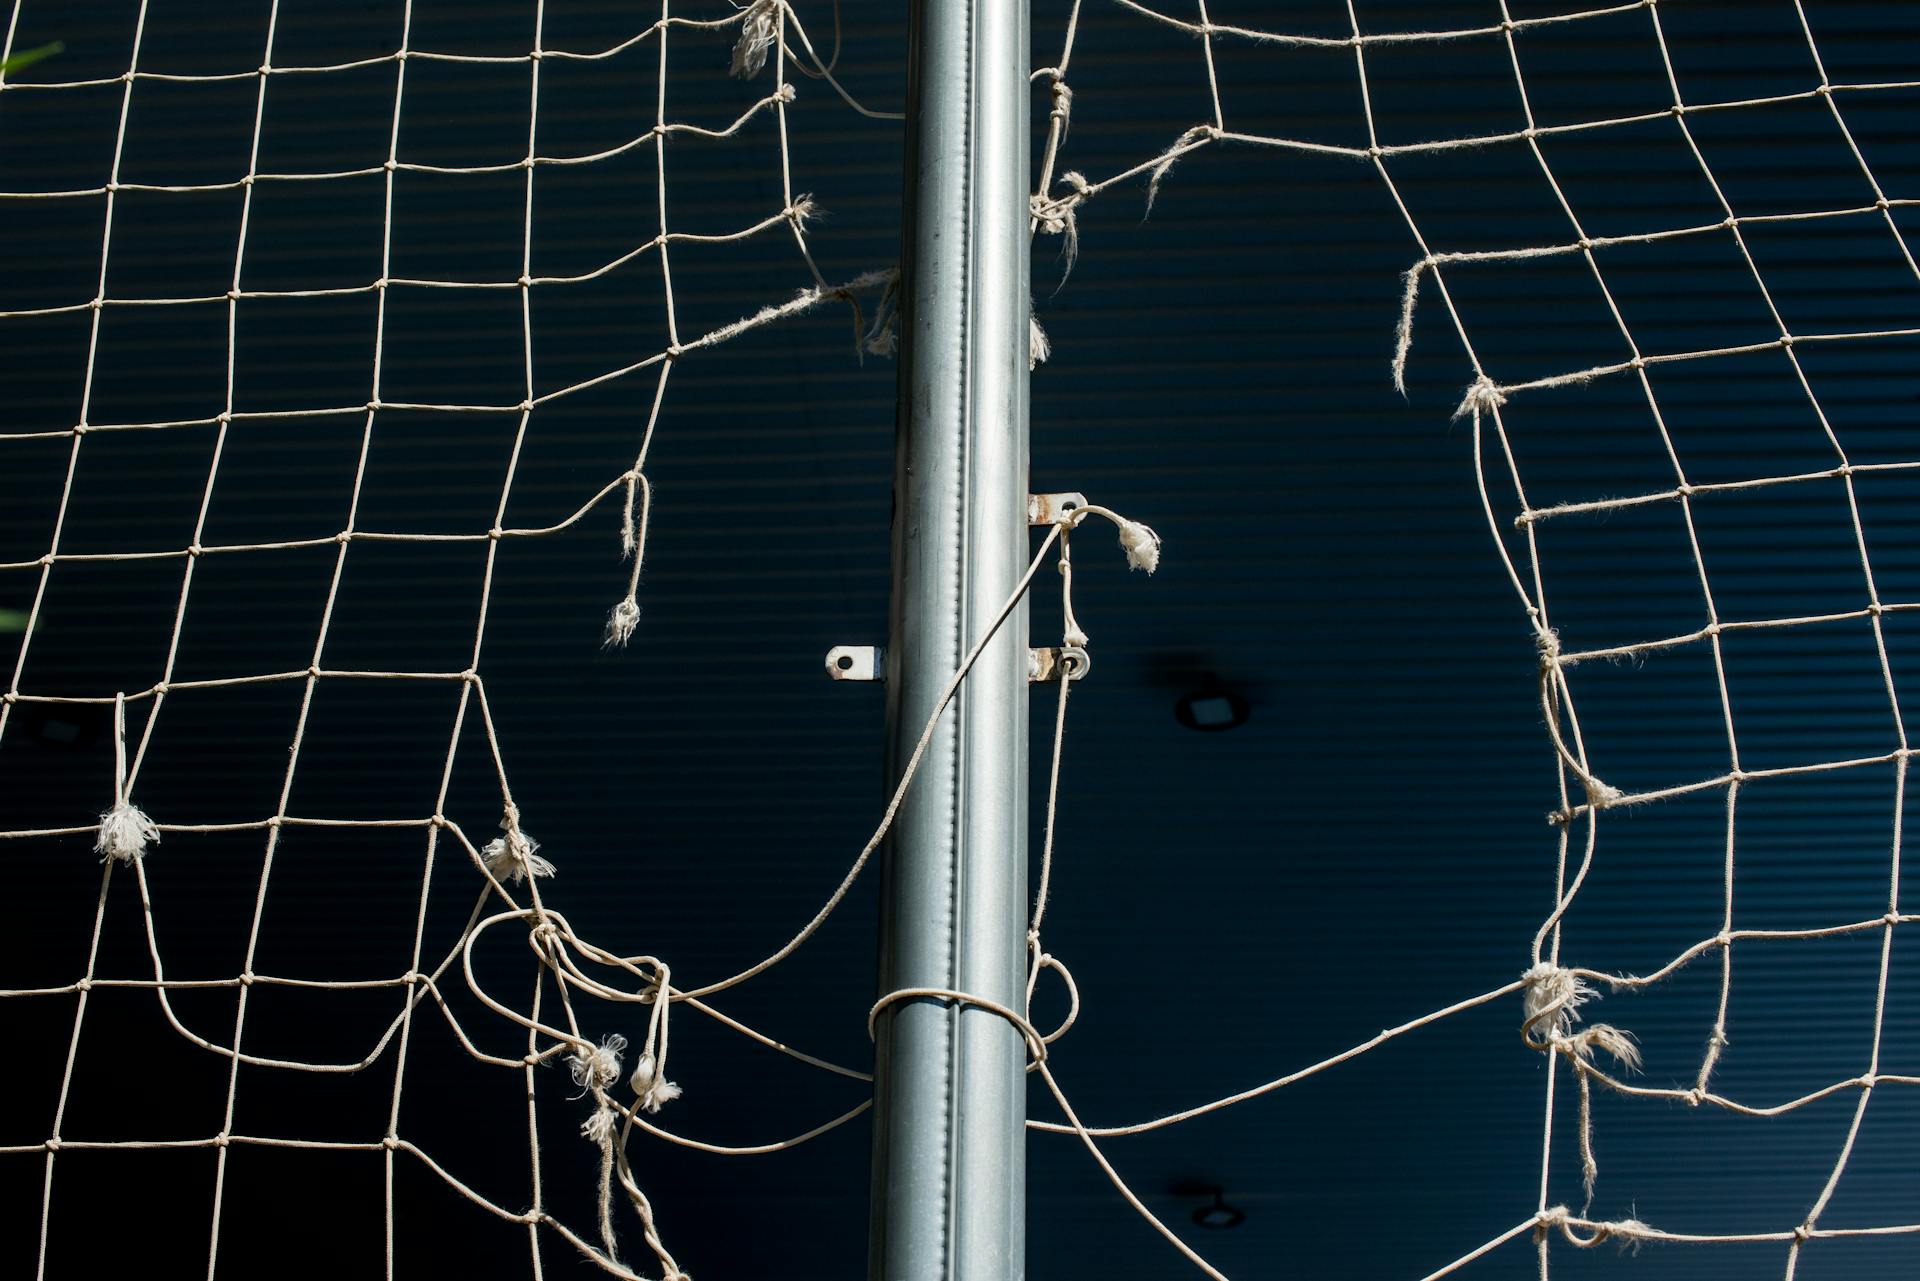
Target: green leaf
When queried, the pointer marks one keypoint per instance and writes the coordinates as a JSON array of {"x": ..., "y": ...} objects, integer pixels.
[{"x": 27, "y": 58}]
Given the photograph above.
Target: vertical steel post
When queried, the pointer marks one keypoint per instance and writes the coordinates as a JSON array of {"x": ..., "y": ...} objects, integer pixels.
[{"x": 949, "y": 1185}]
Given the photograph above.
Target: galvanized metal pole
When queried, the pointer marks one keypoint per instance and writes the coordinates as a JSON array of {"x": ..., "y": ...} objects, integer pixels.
[{"x": 949, "y": 1186}]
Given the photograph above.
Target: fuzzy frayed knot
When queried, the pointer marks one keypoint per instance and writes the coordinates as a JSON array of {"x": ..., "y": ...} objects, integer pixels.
[
  {"x": 1617, "y": 1042},
  {"x": 651, "y": 1085},
  {"x": 600, "y": 1126},
  {"x": 1141, "y": 544},
  {"x": 1602, "y": 795},
  {"x": 511, "y": 857},
  {"x": 595, "y": 1067},
  {"x": 1055, "y": 216},
  {"x": 1483, "y": 396},
  {"x": 125, "y": 832},
  {"x": 620, "y": 623},
  {"x": 1553, "y": 998}
]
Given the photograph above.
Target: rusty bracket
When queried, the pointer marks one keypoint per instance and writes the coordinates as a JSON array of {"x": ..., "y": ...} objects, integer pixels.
[
  {"x": 1048, "y": 664},
  {"x": 1051, "y": 509}
]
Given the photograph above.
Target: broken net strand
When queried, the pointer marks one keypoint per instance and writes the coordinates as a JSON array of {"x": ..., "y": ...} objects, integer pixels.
[
  {"x": 907, "y": 773},
  {"x": 124, "y": 832},
  {"x": 1485, "y": 400}
]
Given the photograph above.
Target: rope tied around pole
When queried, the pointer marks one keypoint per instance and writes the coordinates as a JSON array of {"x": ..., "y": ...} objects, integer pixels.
[
  {"x": 1036, "y": 1043},
  {"x": 1055, "y": 216}
]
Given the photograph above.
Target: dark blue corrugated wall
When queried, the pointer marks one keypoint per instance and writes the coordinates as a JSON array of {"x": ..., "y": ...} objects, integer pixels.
[{"x": 1368, "y": 847}]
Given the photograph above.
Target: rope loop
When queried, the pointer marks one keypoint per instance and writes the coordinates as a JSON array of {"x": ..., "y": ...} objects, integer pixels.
[{"x": 1036, "y": 1044}]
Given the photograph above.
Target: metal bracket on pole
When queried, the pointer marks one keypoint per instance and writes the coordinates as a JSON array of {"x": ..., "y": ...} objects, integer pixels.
[
  {"x": 857, "y": 663},
  {"x": 1050, "y": 509},
  {"x": 1069, "y": 662},
  {"x": 1044, "y": 663}
]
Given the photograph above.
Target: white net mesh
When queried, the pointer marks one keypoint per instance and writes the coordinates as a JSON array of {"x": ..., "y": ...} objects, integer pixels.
[
  {"x": 761, "y": 44},
  {"x": 1637, "y": 381},
  {"x": 619, "y": 1091}
]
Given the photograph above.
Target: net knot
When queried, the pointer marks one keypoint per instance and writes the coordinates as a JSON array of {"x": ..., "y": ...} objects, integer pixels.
[
  {"x": 1596, "y": 1232},
  {"x": 513, "y": 855},
  {"x": 620, "y": 623},
  {"x": 1602, "y": 795},
  {"x": 651, "y": 1084},
  {"x": 757, "y": 30},
  {"x": 1548, "y": 641},
  {"x": 1483, "y": 396},
  {"x": 125, "y": 832},
  {"x": 1055, "y": 214},
  {"x": 545, "y": 936},
  {"x": 595, "y": 1067},
  {"x": 1553, "y": 997}
]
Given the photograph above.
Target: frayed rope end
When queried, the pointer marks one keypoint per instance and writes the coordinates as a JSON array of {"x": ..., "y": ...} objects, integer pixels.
[
  {"x": 595, "y": 1067},
  {"x": 512, "y": 857},
  {"x": 1186, "y": 142},
  {"x": 882, "y": 337},
  {"x": 756, "y": 39},
  {"x": 654, "y": 1089},
  {"x": 1553, "y": 997},
  {"x": 1628, "y": 1232},
  {"x": 1055, "y": 216},
  {"x": 803, "y": 210},
  {"x": 1616, "y": 1042},
  {"x": 1603, "y": 795},
  {"x": 620, "y": 623},
  {"x": 1141, "y": 544},
  {"x": 1403, "y": 332},
  {"x": 125, "y": 832},
  {"x": 600, "y": 1126}
]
